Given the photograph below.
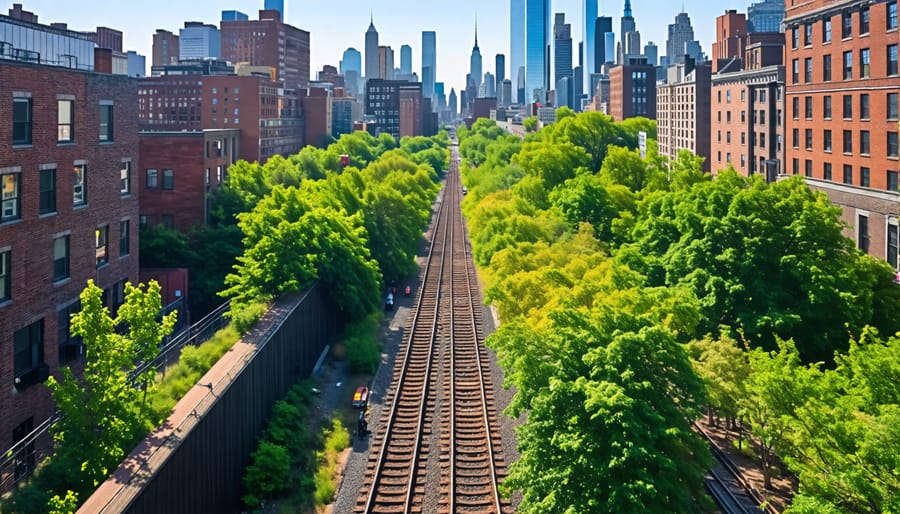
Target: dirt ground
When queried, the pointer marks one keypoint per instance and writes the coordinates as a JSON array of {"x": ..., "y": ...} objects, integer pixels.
[{"x": 783, "y": 483}]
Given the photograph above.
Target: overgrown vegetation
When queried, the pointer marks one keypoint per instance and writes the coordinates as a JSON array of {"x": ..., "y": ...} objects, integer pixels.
[
  {"x": 103, "y": 415},
  {"x": 292, "y": 464},
  {"x": 604, "y": 265}
]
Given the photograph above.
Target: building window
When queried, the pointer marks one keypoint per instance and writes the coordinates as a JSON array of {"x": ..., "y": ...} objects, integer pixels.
[
  {"x": 892, "y": 60},
  {"x": 892, "y": 15},
  {"x": 864, "y": 106},
  {"x": 864, "y": 63},
  {"x": 719, "y": 96},
  {"x": 124, "y": 240},
  {"x": 5, "y": 276},
  {"x": 762, "y": 117},
  {"x": 864, "y": 20},
  {"x": 65, "y": 120},
  {"x": 10, "y": 196},
  {"x": 152, "y": 178},
  {"x": 22, "y": 116},
  {"x": 807, "y": 34},
  {"x": 893, "y": 241},
  {"x": 809, "y": 139},
  {"x": 795, "y": 37},
  {"x": 808, "y": 105},
  {"x": 826, "y": 68},
  {"x": 846, "y": 25},
  {"x": 79, "y": 184},
  {"x": 892, "y": 113},
  {"x": 29, "y": 347},
  {"x": 70, "y": 346},
  {"x": 168, "y": 179},
  {"x": 848, "y": 174},
  {"x": 743, "y": 117},
  {"x": 795, "y": 71},
  {"x": 795, "y": 138},
  {"x": 168, "y": 221},
  {"x": 826, "y": 106},
  {"x": 892, "y": 178},
  {"x": 807, "y": 73},
  {"x": 106, "y": 123},
  {"x": 795, "y": 104},
  {"x": 728, "y": 117},
  {"x": 60, "y": 258},
  {"x": 864, "y": 176},
  {"x": 848, "y": 65},
  {"x": 827, "y": 140},
  {"x": 848, "y": 141},
  {"x": 864, "y": 142},
  {"x": 826, "y": 30},
  {"x": 848, "y": 107},
  {"x": 728, "y": 96},
  {"x": 892, "y": 144},
  {"x": 826, "y": 171},
  {"x": 125, "y": 178},
  {"x": 809, "y": 166},
  {"x": 48, "y": 191},
  {"x": 728, "y": 137},
  {"x": 862, "y": 232},
  {"x": 102, "y": 246}
]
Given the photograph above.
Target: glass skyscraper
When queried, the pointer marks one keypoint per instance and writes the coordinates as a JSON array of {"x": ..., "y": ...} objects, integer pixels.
[
  {"x": 517, "y": 46},
  {"x": 589, "y": 39},
  {"x": 765, "y": 16},
  {"x": 429, "y": 63},
  {"x": 537, "y": 50},
  {"x": 277, "y": 5}
]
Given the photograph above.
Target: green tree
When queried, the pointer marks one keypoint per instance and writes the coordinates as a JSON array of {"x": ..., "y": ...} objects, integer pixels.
[
  {"x": 530, "y": 123},
  {"x": 103, "y": 415}
]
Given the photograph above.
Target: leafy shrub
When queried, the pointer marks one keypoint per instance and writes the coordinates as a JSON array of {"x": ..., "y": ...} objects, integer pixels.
[
  {"x": 268, "y": 474},
  {"x": 244, "y": 316},
  {"x": 362, "y": 350}
]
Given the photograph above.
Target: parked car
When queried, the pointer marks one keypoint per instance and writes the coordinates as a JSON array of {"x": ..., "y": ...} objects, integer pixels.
[
  {"x": 360, "y": 397},
  {"x": 389, "y": 302}
]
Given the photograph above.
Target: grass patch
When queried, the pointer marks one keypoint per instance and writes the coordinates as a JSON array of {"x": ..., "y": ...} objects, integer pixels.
[
  {"x": 195, "y": 361},
  {"x": 336, "y": 439}
]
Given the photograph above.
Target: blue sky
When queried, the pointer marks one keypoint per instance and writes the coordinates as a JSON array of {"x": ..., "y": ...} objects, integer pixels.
[{"x": 334, "y": 26}]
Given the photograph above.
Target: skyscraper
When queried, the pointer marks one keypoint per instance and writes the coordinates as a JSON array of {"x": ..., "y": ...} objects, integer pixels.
[
  {"x": 765, "y": 16},
  {"x": 372, "y": 51},
  {"x": 500, "y": 68},
  {"x": 276, "y": 5},
  {"x": 475, "y": 61},
  {"x": 451, "y": 102},
  {"x": 537, "y": 50},
  {"x": 351, "y": 61},
  {"x": 385, "y": 62},
  {"x": 630, "y": 44},
  {"x": 429, "y": 63},
  {"x": 198, "y": 40},
  {"x": 517, "y": 47},
  {"x": 680, "y": 33},
  {"x": 589, "y": 38},
  {"x": 406, "y": 61},
  {"x": 562, "y": 59},
  {"x": 651, "y": 52},
  {"x": 602, "y": 27}
]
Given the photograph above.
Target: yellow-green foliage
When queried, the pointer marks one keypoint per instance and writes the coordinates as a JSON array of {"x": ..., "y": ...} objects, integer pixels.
[
  {"x": 194, "y": 363},
  {"x": 336, "y": 440}
]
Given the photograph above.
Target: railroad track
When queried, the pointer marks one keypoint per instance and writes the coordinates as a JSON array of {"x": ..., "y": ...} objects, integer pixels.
[
  {"x": 441, "y": 388},
  {"x": 727, "y": 487}
]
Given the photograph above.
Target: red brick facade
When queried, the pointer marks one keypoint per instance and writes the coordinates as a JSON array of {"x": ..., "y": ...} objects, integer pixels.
[
  {"x": 177, "y": 171},
  {"x": 632, "y": 91},
  {"x": 42, "y": 288},
  {"x": 269, "y": 42},
  {"x": 841, "y": 104}
]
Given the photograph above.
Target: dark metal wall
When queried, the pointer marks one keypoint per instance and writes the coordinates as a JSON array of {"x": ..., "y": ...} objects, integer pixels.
[{"x": 204, "y": 473}]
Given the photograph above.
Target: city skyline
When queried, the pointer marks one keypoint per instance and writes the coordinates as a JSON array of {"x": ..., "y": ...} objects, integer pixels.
[{"x": 333, "y": 31}]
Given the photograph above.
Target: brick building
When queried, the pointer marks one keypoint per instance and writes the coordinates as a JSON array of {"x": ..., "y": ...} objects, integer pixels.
[
  {"x": 165, "y": 48},
  {"x": 411, "y": 117},
  {"x": 269, "y": 42},
  {"x": 179, "y": 169},
  {"x": 842, "y": 111},
  {"x": 269, "y": 118},
  {"x": 747, "y": 118},
  {"x": 682, "y": 110},
  {"x": 317, "y": 116},
  {"x": 68, "y": 155},
  {"x": 632, "y": 90}
]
